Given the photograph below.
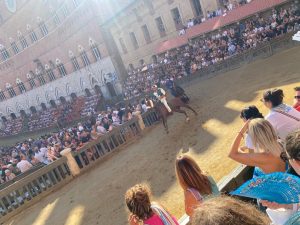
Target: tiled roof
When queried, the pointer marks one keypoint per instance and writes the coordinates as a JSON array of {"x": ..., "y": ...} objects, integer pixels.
[{"x": 235, "y": 15}]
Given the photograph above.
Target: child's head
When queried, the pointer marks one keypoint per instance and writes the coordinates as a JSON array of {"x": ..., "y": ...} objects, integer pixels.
[{"x": 137, "y": 199}]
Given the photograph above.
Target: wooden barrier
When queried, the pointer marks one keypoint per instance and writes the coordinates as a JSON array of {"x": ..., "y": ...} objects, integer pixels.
[
  {"x": 95, "y": 150},
  {"x": 150, "y": 117},
  {"x": 30, "y": 189}
]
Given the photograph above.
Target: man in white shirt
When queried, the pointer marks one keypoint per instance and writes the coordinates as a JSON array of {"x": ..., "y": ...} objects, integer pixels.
[
  {"x": 160, "y": 94},
  {"x": 23, "y": 165}
]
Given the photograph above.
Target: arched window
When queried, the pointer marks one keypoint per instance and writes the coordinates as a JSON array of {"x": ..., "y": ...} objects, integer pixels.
[
  {"x": 42, "y": 27},
  {"x": 30, "y": 77},
  {"x": 95, "y": 49},
  {"x": 13, "y": 116},
  {"x": 65, "y": 10},
  {"x": 56, "y": 19},
  {"x": 21, "y": 85},
  {"x": 61, "y": 68},
  {"x": 14, "y": 46},
  {"x": 98, "y": 90},
  {"x": 74, "y": 61},
  {"x": 83, "y": 56},
  {"x": 131, "y": 67},
  {"x": 33, "y": 110},
  {"x": 22, "y": 40},
  {"x": 154, "y": 59},
  {"x": 23, "y": 113},
  {"x": 50, "y": 73},
  {"x": 4, "y": 53},
  {"x": 53, "y": 104},
  {"x": 75, "y": 3},
  {"x": 2, "y": 95},
  {"x": 142, "y": 62},
  {"x": 32, "y": 34},
  {"x": 40, "y": 77},
  {"x": 10, "y": 90},
  {"x": 62, "y": 100},
  {"x": 87, "y": 92},
  {"x": 44, "y": 107},
  {"x": 73, "y": 96}
]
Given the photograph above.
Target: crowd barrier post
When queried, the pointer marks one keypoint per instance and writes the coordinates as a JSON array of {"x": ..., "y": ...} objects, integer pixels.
[
  {"x": 141, "y": 122},
  {"x": 73, "y": 166}
]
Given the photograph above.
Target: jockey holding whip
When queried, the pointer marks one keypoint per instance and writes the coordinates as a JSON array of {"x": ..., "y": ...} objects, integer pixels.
[{"x": 160, "y": 94}]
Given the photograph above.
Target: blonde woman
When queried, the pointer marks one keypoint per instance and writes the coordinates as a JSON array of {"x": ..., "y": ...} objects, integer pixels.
[
  {"x": 268, "y": 149},
  {"x": 197, "y": 185},
  {"x": 143, "y": 211}
]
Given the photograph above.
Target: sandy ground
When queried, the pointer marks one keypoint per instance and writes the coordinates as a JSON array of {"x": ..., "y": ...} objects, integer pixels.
[{"x": 96, "y": 197}]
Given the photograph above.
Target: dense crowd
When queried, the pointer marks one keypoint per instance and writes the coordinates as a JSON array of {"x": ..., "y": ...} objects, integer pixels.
[
  {"x": 272, "y": 145},
  {"x": 221, "y": 11},
  {"x": 212, "y": 49},
  {"x": 271, "y": 142},
  {"x": 46, "y": 149}
]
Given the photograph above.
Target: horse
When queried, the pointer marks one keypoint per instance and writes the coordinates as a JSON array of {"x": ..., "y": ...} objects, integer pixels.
[{"x": 175, "y": 104}]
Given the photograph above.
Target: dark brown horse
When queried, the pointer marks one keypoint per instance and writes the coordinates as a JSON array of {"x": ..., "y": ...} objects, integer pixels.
[{"x": 175, "y": 104}]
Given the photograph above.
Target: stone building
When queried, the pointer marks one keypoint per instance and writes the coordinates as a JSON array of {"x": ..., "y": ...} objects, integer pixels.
[
  {"x": 50, "y": 49},
  {"x": 140, "y": 26}
]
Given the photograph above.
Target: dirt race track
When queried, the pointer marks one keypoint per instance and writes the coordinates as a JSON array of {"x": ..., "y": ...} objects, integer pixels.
[{"x": 96, "y": 197}]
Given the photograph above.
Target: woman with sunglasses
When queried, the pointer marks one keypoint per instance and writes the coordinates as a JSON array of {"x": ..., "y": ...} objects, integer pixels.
[
  {"x": 296, "y": 104},
  {"x": 284, "y": 118}
]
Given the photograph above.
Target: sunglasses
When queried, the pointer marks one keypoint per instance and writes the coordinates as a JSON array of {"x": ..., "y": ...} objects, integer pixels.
[
  {"x": 285, "y": 157},
  {"x": 297, "y": 97}
]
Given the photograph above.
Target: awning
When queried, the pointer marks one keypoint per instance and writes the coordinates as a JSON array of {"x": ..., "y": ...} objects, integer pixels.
[
  {"x": 238, "y": 14},
  {"x": 171, "y": 44}
]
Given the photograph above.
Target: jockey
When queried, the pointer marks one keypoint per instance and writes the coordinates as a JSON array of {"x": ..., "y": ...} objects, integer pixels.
[
  {"x": 160, "y": 94},
  {"x": 171, "y": 86}
]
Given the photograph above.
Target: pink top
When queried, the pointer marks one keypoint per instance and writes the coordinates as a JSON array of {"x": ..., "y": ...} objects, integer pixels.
[{"x": 155, "y": 220}]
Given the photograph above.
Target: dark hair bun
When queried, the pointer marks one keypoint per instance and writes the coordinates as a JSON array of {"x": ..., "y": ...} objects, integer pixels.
[
  {"x": 251, "y": 112},
  {"x": 274, "y": 96}
]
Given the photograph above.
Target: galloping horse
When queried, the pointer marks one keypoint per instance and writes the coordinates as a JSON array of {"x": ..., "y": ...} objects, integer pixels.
[{"x": 175, "y": 104}]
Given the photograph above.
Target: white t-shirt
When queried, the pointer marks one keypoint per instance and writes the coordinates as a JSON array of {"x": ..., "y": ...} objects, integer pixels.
[
  {"x": 101, "y": 129},
  {"x": 248, "y": 142},
  {"x": 282, "y": 123},
  {"x": 24, "y": 165},
  {"x": 42, "y": 155},
  {"x": 144, "y": 107}
]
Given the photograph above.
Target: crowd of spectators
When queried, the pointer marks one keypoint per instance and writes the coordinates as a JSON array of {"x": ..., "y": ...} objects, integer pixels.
[
  {"x": 77, "y": 108},
  {"x": 212, "y": 49},
  {"x": 221, "y": 11},
  {"x": 272, "y": 145},
  {"x": 46, "y": 149}
]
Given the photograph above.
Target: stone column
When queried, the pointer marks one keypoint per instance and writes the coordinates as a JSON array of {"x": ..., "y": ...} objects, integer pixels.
[{"x": 74, "y": 168}]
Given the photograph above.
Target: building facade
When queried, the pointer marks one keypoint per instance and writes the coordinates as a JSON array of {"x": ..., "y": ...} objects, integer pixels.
[
  {"x": 143, "y": 24},
  {"x": 51, "y": 49}
]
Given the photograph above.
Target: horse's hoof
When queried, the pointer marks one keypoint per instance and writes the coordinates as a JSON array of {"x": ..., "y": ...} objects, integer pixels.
[{"x": 187, "y": 119}]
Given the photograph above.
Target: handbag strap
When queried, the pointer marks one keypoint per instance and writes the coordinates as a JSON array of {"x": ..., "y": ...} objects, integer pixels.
[{"x": 288, "y": 115}]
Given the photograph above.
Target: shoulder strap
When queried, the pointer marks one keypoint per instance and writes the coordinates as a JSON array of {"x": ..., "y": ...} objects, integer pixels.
[
  {"x": 163, "y": 214},
  {"x": 196, "y": 194},
  {"x": 288, "y": 115}
]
